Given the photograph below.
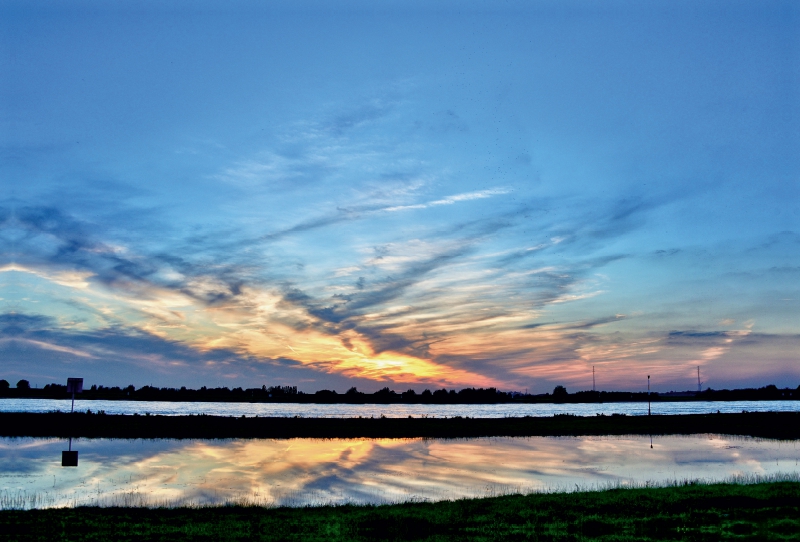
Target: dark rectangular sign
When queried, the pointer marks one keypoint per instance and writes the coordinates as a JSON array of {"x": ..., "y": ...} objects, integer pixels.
[
  {"x": 69, "y": 459},
  {"x": 74, "y": 385}
]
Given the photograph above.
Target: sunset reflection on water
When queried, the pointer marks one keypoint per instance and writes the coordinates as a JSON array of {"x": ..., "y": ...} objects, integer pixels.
[{"x": 298, "y": 472}]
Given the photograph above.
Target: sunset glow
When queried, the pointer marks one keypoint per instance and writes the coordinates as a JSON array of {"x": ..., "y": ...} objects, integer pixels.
[{"x": 411, "y": 196}]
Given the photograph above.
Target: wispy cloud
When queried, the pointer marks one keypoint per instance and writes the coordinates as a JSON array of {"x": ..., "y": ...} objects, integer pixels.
[
  {"x": 358, "y": 116},
  {"x": 449, "y": 200},
  {"x": 345, "y": 214},
  {"x": 131, "y": 355},
  {"x": 412, "y": 299},
  {"x": 462, "y": 293},
  {"x": 279, "y": 172}
]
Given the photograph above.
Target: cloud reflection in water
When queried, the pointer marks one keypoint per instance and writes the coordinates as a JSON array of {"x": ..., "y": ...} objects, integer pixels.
[{"x": 299, "y": 472}]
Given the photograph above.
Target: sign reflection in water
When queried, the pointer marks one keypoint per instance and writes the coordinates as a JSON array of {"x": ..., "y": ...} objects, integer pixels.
[
  {"x": 69, "y": 458},
  {"x": 298, "y": 472}
]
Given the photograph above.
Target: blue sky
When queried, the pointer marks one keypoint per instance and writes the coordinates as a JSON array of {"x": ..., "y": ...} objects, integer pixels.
[{"x": 328, "y": 194}]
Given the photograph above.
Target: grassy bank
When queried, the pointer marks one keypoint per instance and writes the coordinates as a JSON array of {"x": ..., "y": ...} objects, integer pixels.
[
  {"x": 765, "y": 511},
  {"x": 782, "y": 425}
]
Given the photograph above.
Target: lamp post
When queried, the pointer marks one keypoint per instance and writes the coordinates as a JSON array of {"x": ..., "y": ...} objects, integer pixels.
[{"x": 648, "y": 395}]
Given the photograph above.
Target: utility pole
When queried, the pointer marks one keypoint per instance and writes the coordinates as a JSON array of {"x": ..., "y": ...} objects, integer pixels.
[
  {"x": 593, "y": 389},
  {"x": 698, "y": 380},
  {"x": 648, "y": 395}
]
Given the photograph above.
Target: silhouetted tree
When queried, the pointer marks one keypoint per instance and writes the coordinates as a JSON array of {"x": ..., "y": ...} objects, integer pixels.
[
  {"x": 4, "y": 385},
  {"x": 385, "y": 395},
  {"x": 560, "y": 393},
  {"x": 23, "y": 385}
]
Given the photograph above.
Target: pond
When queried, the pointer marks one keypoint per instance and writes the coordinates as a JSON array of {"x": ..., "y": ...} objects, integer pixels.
[
  {"x": 167, "y": 408},
  {"x": 300, "y": 472}
]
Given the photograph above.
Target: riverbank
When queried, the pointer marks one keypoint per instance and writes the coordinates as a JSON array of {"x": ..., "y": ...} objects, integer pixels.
[
  {"x": 763, "y": 511},
  {"x": 779, "y": 425}
]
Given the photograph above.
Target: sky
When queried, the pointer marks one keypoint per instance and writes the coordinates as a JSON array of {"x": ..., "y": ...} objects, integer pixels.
[{"x": 404, "y": 194}]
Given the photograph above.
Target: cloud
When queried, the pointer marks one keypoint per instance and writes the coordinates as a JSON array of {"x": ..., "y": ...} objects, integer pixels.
[
  {"x": 484, "y": 286},
  {"x": 449, "y": 288},
  {"x": 449, "y": 200},
  {"x": 439, "y": 306},
  {"x": 50, "y": 242},
  {"x": 35, "y": 345},
  {"x": 347, "y": 313},
  {"x": 341, "y": 215},
  {"x": 313, "y": 152},
  {"x": 278, "y": 171},
  {"x": 346, "y": 214},
  {"x": 151, "y": 284},
  {"x": 358, "y": 116},
  {"x": 446, "y": 302}
]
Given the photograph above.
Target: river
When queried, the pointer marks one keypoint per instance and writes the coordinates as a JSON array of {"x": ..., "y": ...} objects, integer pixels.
[{"x": 167, "y": 408}]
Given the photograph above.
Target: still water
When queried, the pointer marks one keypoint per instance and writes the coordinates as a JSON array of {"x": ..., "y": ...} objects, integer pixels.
[
  {"x": 299, "y": 472},
  {"x": 392, "y": 411}
]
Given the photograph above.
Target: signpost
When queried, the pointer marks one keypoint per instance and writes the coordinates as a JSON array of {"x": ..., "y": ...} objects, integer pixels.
[
  {"x": 69, "y": 458},
  {"x": 74, "y": 385},
  {"x": 648, "y": 407}
]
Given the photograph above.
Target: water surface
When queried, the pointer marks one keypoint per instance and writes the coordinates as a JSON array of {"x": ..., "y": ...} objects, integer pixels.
[
  {"x": 168, "y": 408},
  {"x": 300, "y": 472}
]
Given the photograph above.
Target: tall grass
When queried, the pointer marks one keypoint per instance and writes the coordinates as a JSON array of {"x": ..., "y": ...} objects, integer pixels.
[{"x": 29, "y": 500}]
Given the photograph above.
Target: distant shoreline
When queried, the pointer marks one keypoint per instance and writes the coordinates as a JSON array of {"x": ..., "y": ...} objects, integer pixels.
[
  {"x": 778, "y": 425},
  {"x": 466, "y": 396}
]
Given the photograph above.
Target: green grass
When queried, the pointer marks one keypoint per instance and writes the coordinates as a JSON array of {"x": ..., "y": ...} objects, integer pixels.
[{"x": 763, "y": 511}]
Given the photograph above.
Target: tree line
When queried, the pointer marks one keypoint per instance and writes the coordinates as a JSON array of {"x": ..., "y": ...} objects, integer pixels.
[{"x": 290, "y": 394}]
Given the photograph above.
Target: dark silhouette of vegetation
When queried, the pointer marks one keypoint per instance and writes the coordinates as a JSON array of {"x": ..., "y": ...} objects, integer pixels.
[
  {"x": 765, "y": 511},
  {"x": 290, "y": 394},
  {"x": 4, "y": 385},
  {"x": 783, "y": 425},
  {"x": 264, "y": 394}
]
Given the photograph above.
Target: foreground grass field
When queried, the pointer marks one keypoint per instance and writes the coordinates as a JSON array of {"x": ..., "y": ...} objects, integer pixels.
[{"x": 765, "y": 511}]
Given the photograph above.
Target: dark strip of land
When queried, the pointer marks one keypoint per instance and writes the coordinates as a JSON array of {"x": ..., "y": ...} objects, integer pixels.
[
  {"x": 767, "y": 511},
  {"x": 778, "y": 425},
  {"x": 465, "y": 396}
]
